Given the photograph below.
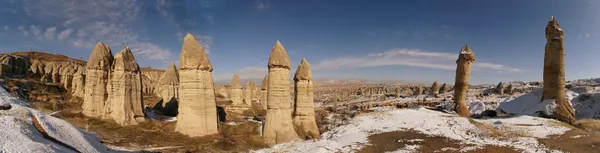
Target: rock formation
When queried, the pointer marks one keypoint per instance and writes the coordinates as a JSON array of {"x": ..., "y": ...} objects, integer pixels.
[
  {"x": 279, "y": 126},
  {"x": 509, "y": 89},
  {"x": 419, "y": 90},
  {"x": 500, "y": 88},
  {"x": 461, "y": 83},
  {"x": 236, "y": 93},
  {"x": 96, "y": 79},
  {"x": 78, "y": 83},
  {"x": 197, "y": 102},
  {"x": 168, "y": 90},
  {"x": 304, "y": 110},
  {"x": 554, "y": 73},
  {"x": 13, "y": 65},
  {"x": 247, "y": 94},
  {"x": 263, "y": 88},
  {"x": 443, "y": 89},
  {"x": 124, "y": 104},
  {"x": 434, "y": 89}
]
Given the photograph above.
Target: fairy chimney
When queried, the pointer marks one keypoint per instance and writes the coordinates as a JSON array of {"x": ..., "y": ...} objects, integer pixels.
[
  {"x": 304, "y": 110},
  {"x": 236, "y": 93},
  {"x": 78, "y": 83},
  {"x": 461, "y": 83},
  {"x": 509, "y": 89},
  {"x": 124, "y": 104},
  {"x": 168, "y": 90},
  {"x": 434, "y": 89},
  {"x": 197, "y": 102},
  {"x": 247, "y": 94},
  {"x": 263, "y": 88},
  {"x": 279, "y": 126},
  {"x": 96, "y": 79},
  {"x": 500, "y": 88},
  {"x": 554, "y": 74},
  {"x": 443, "y": 89}
]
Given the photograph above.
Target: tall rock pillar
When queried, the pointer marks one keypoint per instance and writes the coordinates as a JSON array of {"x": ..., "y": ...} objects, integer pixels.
[
  {"x": 197, "y": 102},
  {"x": 279, "y": 127},
  {"x": 304, "y": 109},
  {"x": 236, "y": 91},
  {"x": 461, "y": 83},
  {"x": 168, "y": 90},
  {"x": 264, "y": 92},
  {"x": 124, "y": 104},
  {"x": 96, "y": 80},
  {"x": 554, "y": 73}
]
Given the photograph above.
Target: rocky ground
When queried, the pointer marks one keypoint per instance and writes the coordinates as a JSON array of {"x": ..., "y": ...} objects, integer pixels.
[{"x": 353, "y": 123}]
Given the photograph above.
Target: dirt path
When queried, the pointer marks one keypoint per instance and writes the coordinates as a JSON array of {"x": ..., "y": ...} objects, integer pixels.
[
  {"x": 576, "y": 140},
  {"x": 392, "y": 141}
]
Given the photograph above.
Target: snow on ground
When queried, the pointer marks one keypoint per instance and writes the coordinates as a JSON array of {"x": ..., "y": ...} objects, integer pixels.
[
  {"x": 354, "y": 135},
  {"x": 18, "y": 133},
  {"x": 530, "y": 103}
]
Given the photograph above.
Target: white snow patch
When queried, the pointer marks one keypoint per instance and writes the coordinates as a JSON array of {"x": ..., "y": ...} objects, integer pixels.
[
  {"x": 529, "y": 103},
  {"x": 17, "y": 133},
  {"x": 354, "y": 135},
  {"x": 477, "y": 107},
  {"x": 407, "y": 149}
]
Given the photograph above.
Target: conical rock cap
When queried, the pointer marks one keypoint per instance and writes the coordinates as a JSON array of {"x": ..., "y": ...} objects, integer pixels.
[{"x": 193, "y": 55}]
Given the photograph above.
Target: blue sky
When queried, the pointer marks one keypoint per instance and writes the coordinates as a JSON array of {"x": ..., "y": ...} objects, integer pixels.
[{"x": 410, "y": 40}]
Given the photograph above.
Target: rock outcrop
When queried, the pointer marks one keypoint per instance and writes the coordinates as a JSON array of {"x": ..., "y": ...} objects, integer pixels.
[
  {"x": 13, "y": 65},
  {"x": 236, "y": 93},
  {"x": 247, "y": 94},
  {"x": 168, "y": 90},
  {"x": 461, "y": 83},
  {"x": 197, "y": 102},
  {"x": 500, "y": 88},
  {"x": 434, "y": 89},
  {"x": 96, "y": 80},
  {"x": 78, "y": 83},
  {"x": 279, "y": 126},
  {"x": 554, "y": 74},
  {"x": 443, "y": 89},
  {"x": 509, "y": 89},
  {"x": 264, "y": 93},
  {"x": 304, "y": 110},
  {"x": 124, "y": 104}
]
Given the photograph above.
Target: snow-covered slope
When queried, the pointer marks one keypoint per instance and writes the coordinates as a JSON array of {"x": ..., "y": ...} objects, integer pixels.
[
  {"x": 19, "y": 135},
  {"x": 353, "y": 136}
]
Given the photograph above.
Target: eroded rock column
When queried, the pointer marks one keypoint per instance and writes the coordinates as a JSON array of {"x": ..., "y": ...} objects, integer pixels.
[
  {"x": 236, "y": 92},
  {"x": 168, "y": 90},
  {"x": 304, "y": 110},
  {"x": 197, "y": 101},
  {"x": 461, "y": 83},
  {"x": 434, "y": 89},
  {"x": 96, "y": 80},
  {"x": 264, "y": 91},
  {"x": 554, "y": 73},
  {"x": 500, "y": 88},
  {"x": 124, "y": 104},
  {"x": 279, "y": 127}
]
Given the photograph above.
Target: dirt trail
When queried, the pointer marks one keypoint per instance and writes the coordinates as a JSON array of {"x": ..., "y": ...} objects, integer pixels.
[{"x": 392, "y": 141}]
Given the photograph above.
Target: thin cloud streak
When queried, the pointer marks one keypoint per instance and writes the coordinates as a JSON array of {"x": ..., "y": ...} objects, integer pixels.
[{"x": 407, "y": 57}]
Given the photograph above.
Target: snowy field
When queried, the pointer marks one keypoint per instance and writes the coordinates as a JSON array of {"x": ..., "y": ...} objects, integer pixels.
[{"x": 19, "y": 135}]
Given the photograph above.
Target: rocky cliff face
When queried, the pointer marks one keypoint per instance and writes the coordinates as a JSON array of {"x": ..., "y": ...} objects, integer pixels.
[
  {"x": 152, "y": 77},
  {"x": 13, "y": 65}
]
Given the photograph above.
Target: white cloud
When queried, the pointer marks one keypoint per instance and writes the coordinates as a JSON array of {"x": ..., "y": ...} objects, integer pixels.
[
  {"x": 263, "y": 4},
  {"x": 23, "y": 30},
  {"x": 7, "y": 28},
  {"x": 151, "y": 51},
  {"x": 50, "y": 32},
  {"x": 35, "y": 30},
  {"x": 406, "y": 57},
  {"x": 109, "y": 21},
  {"x": 64, "y": 34}
]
